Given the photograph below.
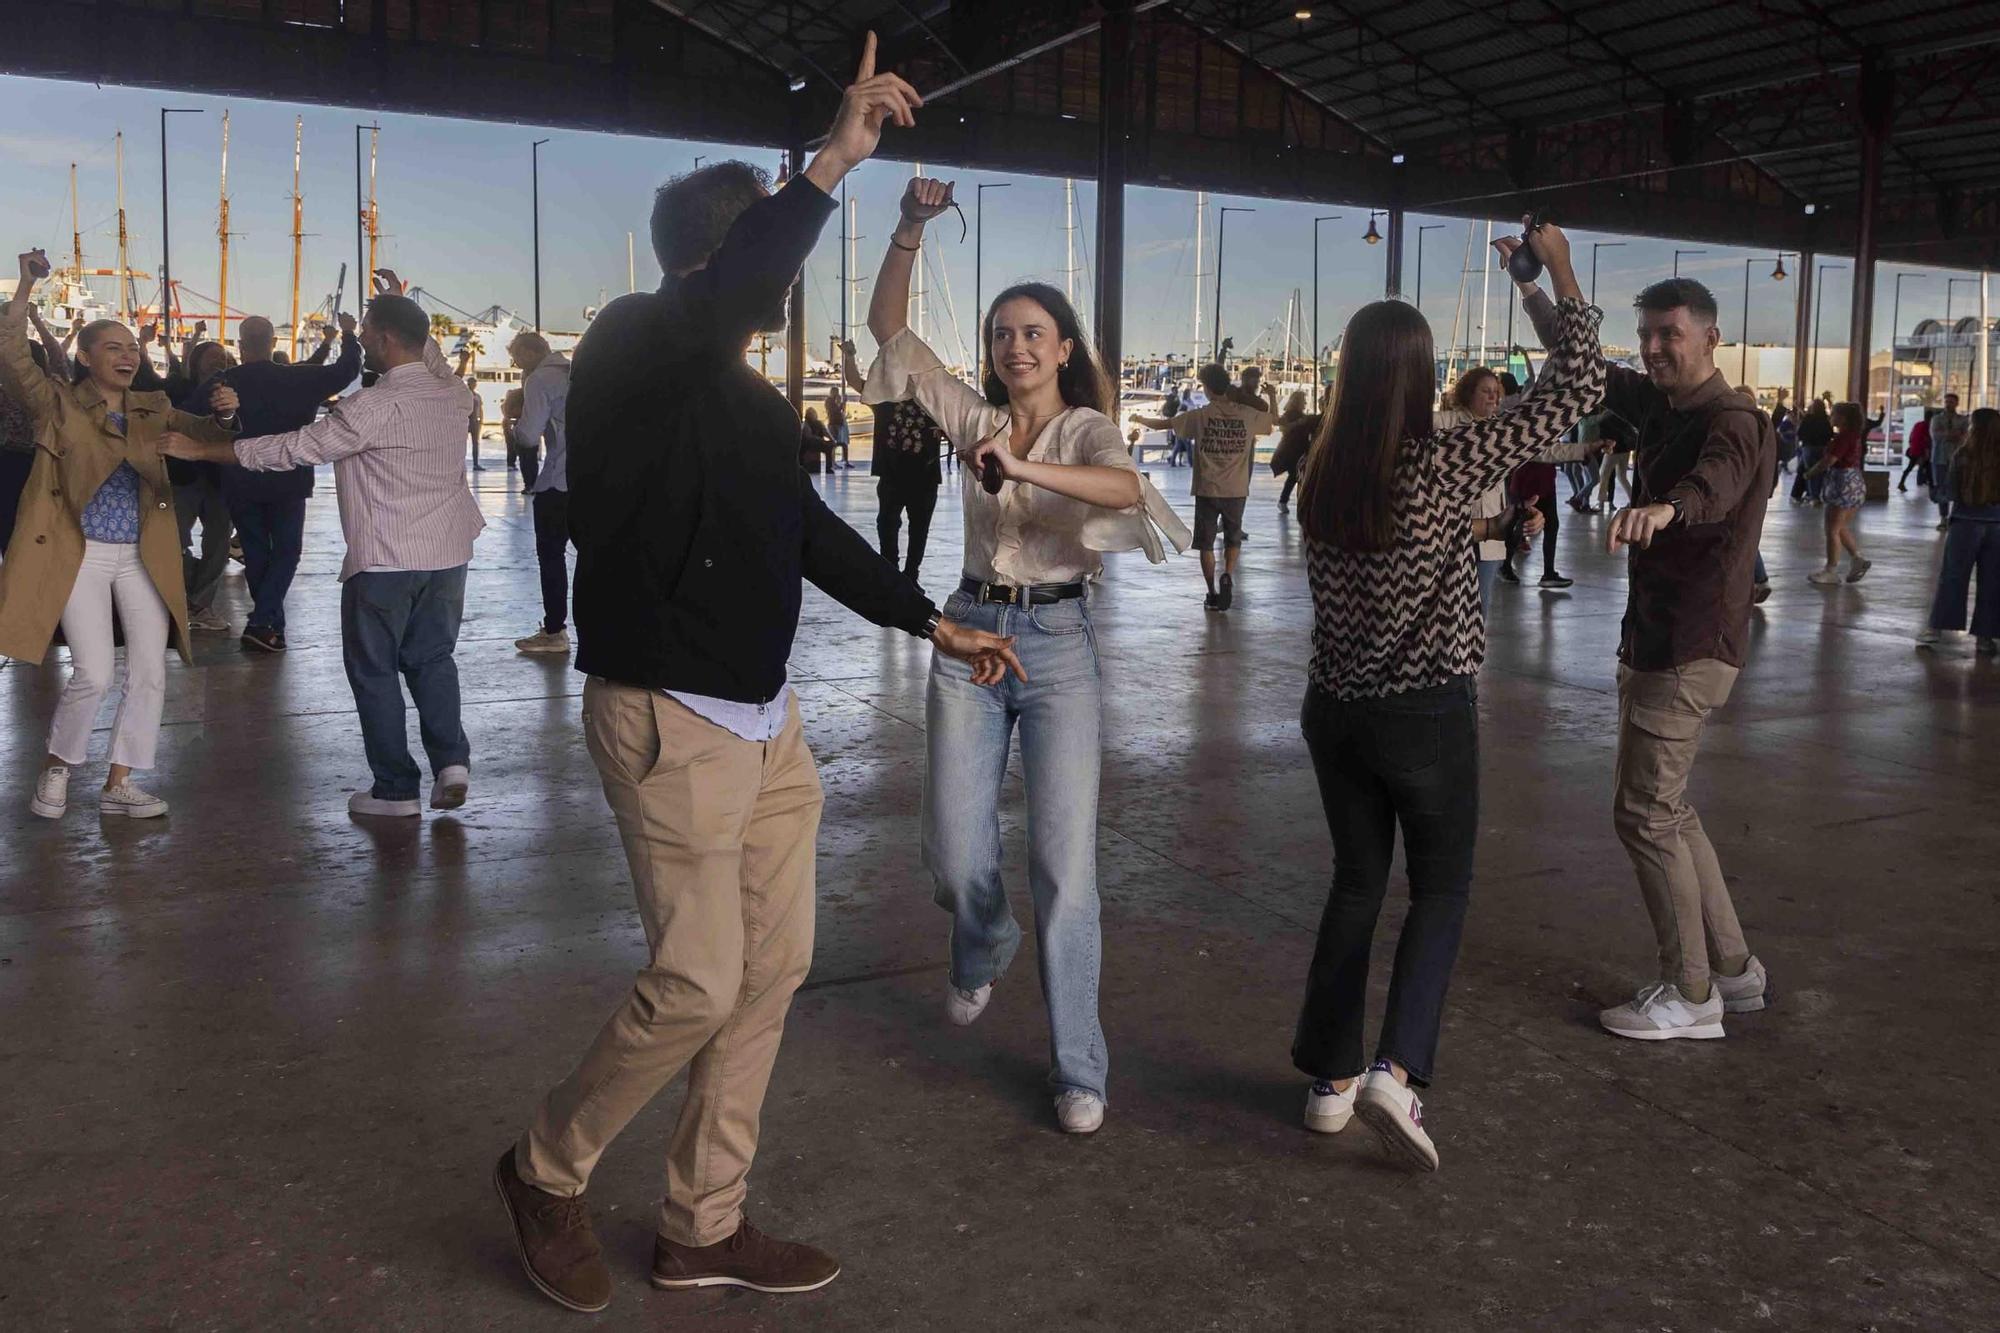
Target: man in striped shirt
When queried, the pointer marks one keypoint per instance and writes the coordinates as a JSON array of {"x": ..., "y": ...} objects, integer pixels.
[{"x": 398, "y": 455}]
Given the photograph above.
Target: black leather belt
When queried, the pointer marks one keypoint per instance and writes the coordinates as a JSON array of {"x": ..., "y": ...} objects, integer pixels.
[{"x": 1034, "y": 594}]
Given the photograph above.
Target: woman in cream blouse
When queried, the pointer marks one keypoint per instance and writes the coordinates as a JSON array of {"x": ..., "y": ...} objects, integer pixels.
[{"x": 1068, "y": 491}]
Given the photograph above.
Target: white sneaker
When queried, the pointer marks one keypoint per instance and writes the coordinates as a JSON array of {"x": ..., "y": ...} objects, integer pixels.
[
  {"x": 51, "y": 796},
  {"x": 448, "y": 791},
  {"x": 1328, "y": 1112},
  {"x": 1079, "y": 1112},
  {"x": 1396, "y": 1115},
  {"x": 361, "y": 803},
  {"x": 1745, "y": 994},
  {"x": 542, "y": 641},
  {"x": 208, "y": 618},
  {"x": 1927, "y": 638},
  {"x": 1661, "y": 1013},
  {"x": 129, "y": 801},
  {"x": 1830, "y": 574},
  {"x": 962, "y": 1006}
]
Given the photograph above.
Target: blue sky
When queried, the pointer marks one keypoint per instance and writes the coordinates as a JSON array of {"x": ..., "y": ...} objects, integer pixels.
[{"x": 454, "y": 198}]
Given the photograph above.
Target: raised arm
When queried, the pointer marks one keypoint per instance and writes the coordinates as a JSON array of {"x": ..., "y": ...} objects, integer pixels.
[
  {"x": 888, "y": 307},
  {"x": 24, "y": 380},
  {"x": 850, "y": 368},
  {"x": 1476, "y": 455},
  {"x": 1627, "y": 392},
  {"x": 56, "y": 349},
  {"x": 327, "y": 380}
]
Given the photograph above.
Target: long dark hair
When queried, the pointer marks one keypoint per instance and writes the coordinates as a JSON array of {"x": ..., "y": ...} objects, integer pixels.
[
  {"x": 1382, "y": 397},
  {"x": 1082, "y": 382},
  {"x": 1975, "y": 468}
]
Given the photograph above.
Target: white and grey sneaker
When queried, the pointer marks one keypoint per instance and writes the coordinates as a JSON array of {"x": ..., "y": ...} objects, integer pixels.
[
  {"x": 1928, "y": 638},
  {"x": 1396, "y": 1115},
  {"x": 1824, "y": 576},
  {"x": 363, "y": 803},
  {"x": 962, "y": 1006},
  {"x": 208, "y": 618},
  {"x": 1661, "y": 1013},
  {"x": 544, "y": 641},
  {"x": 129, "y": 801},
  {"x": 449, "y": 790},
  {"x": 1327, "y": 1111},
  {"x": 1079, "y": 1112},
  {"x": 1745, "y": 994},
  {"x": 51, "y": 796}
]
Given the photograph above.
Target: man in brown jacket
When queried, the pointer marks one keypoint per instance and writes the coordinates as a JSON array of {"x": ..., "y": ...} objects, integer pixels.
[{"x": 1702, "y": 472}]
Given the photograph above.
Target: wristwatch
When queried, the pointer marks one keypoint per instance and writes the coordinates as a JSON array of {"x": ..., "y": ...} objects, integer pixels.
[
  {"x": 1678, "y": 505},
  {"x": 930, "y": 629}
]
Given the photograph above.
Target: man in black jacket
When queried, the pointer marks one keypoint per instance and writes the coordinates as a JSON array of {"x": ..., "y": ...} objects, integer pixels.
[
  {"x": 269, "y": 508},
  {"x": 693, "y": 526}
]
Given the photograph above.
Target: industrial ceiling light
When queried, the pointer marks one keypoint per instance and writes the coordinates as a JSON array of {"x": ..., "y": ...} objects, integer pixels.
[
  {"x": 1302, "y": 14},
  {"x": 1373, "y": 236},
  {"x": 1811, "y": 209},
  {"x": 1778, "y": 273},
  {"x": 798, "y": 83}
]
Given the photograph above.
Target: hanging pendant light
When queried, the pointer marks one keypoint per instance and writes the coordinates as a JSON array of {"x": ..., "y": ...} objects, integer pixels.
[
  {"x": 1373, "y": 236},
  {"x": 1778, "y": 273}
]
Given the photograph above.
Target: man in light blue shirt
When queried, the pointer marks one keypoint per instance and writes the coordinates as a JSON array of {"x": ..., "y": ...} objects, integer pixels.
[{"x": 544, "y": 393}]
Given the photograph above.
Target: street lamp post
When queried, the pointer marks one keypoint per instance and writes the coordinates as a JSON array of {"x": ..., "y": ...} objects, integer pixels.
[
  {"x": 1895, "y": 367},
  {"x": 1777, "y": 275},
  {"x": 1677, "y": 258},
  {"x": 1222, "y": 230},
  {"x": 1318, "y": 377},
  {"x": 1595, "y": 246},
  {"x": 978, "y": 258},
  {"x": 535, "y": 192},
  {"x": 1421, "y": 229},
  {"x": 167, "y": 302},
  {"x": 1950, "y": 331},
  {"x": 1819, "y": 303}
]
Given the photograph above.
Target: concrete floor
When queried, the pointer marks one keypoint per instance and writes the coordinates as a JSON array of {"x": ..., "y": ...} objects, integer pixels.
[{"x": 259, "y": 1057}]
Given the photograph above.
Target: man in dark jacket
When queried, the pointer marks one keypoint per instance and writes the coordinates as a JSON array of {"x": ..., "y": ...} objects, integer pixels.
[
  {"x": 1702, "y": 472},
  {"x": 693, "y": 526},
  {"x": 269, "y": 508}
]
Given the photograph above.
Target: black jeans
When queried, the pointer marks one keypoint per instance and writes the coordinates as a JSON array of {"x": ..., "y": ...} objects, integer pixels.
[
  {"x": 1551, "y": 525},
  {"x": 1291, "y": 483},
  {"x": 1410, "y": 760},
  {"x": 894, "y": 495},
  {"x": 552, "y": 556}
]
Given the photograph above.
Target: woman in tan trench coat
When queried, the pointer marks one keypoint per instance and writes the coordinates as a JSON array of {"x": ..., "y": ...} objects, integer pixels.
[{"x": 96, "y": 530}]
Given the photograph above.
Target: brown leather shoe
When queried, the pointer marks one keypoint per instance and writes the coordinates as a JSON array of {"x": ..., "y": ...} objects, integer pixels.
[
  {"x": 747, "y": 1259},
  {"x": 555, "y": 1241}
]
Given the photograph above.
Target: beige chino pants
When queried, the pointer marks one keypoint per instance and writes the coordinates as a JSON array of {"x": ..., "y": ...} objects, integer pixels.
[
  {"x": 1660, "y": 719},
  {"x": 720, "y": 834}
]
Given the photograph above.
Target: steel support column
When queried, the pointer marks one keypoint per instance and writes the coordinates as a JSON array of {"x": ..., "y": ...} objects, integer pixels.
[
  {"x": 795, "y": 322},
  {"x": 1114, "y": 82},
  {"x": 1393, "y": 287},
  {"x": 1876, "y": 83},
  {"x": 1802, "y": 326}
]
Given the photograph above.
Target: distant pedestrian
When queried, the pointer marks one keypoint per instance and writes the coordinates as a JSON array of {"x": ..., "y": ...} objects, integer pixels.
[
  {"x": 1972, "y": 544},
  {"x": 1844, "y": 492}
]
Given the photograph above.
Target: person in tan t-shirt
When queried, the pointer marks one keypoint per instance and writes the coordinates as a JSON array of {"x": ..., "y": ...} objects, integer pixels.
[{"x": 1225, "y": 435}]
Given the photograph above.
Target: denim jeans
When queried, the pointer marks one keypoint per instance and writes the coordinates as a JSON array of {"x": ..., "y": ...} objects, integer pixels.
[
  {"x": 404, "y": 623},
  {"x": 969, "y": 731},
  {"x": 273, "y": 532},
  {"x": 1410, "y": 760},
  {"x": 1489, "y": 574},
  {"x": 1970, "y": 544},
  {"x": 551, "y": 510}
]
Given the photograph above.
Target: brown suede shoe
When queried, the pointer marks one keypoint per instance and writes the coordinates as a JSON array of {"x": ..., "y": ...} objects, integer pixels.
[
  {"x": 747, "y": 1259},
  {"x": 555, "y": 1241}
]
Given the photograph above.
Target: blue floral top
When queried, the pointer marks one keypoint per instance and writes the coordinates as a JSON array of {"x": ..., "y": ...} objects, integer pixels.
[{"x": 113, "y": 513}]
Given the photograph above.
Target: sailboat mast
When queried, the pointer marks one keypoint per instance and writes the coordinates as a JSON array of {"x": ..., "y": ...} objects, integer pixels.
[
  {"x": 1069, "y": 239},
  {"x": 1200, "y": 212},
  {"x": 917, "y": 286},
  {"x": 853, "y": 267},
  {"x": 222, "y": 233},
  {"x": 1485, "y": 284},
  {"x": 75, "y": 238},
  {"x": 631, "y": 272},
  {"x": 124, "y": 252},
  {"x": 298, "y": 225},
  {"x": 374, "y": 217}
]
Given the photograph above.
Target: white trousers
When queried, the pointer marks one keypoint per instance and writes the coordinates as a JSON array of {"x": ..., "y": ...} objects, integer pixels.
[{"x": 112, "y": 572}]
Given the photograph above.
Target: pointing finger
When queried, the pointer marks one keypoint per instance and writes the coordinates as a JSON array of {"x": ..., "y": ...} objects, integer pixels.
[{"x": 867, "y": 70}]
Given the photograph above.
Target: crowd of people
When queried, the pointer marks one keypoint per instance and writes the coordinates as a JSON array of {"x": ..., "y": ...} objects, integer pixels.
[{"x": 693, "y": 533}]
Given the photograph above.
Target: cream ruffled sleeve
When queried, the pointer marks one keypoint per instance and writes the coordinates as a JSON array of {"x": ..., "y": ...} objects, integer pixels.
[
  {"x": 907, "y": 370},
  {"x": 1139, "y": 528}
]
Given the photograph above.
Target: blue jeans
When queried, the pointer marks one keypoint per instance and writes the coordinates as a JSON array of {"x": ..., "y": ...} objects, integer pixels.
[
  {"x": 1970, "y": 544},
  {"x": 969, "y": 732},
  {"x": 1489, "y": 574},
  {"x": 273, "y": 532},
  {"x": 407, "y": 624}
]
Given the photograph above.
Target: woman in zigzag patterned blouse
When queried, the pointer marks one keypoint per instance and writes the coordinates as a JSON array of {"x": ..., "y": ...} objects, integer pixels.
[{"x": 1389, "y": 714}]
